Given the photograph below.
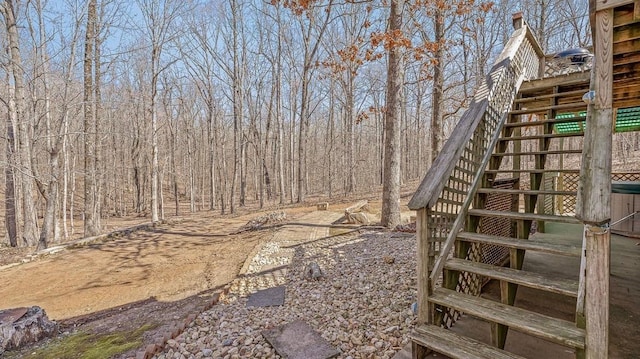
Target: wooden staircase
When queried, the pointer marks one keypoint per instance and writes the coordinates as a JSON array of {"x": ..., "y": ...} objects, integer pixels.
[
  {"x": 511, "y": 144},
  {"x": 529, "y": 131}
]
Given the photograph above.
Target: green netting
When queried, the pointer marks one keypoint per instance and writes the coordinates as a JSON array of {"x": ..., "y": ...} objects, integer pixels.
[
  {"x": 571, "y": 126},
  {"x": 627, "y": 119}
]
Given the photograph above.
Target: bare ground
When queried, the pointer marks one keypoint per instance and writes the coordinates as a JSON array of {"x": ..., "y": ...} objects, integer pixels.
[{"x": 149, "y": 277}]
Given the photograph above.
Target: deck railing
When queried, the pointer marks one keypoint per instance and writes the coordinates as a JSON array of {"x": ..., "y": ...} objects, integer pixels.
[{"x": 447, "y": 191}]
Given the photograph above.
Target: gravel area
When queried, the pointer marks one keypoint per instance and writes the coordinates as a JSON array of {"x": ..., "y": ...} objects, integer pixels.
[{"x": 361, "y": 305}]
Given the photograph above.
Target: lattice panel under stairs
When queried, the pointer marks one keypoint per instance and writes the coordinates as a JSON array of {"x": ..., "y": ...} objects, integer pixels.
[
  {"x": 472, "y": 283},
  {"x": 504, "y": 227},
  {"x": 566, "y": 204}
]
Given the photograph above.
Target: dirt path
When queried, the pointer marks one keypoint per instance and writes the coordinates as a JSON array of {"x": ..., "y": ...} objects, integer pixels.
[{"x": 170, "y": 262}]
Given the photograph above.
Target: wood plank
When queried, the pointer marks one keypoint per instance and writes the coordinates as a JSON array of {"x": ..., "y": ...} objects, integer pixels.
[
  {"x": 546, "y": 170},
  {"x": 456, "y": 346},
  {"x": 628, "y": 94},
  {"x": 626, "y": 59},
  {"x": 626, "y": 33},
  {"x": 625, "y": 15},
  {"x": 567, "y": 106},
  {"x": 548, "y": 96},
  {"x": 562, "y": 286},
  {"x": 627, "y": 103},
  {"x": 544, "y": 122},
  {"x": 533, "y": 153},
  {"x": 627, "y": 79},
  {"x": 626, "y": 47},
  {"x": 636, "y": 10},
  {"x": 542, "y": 136},
  {"x": 423, "y": 266},
  {"x": 572, "y": 79},
  {"x": 526, "y": 192},
  {"x": 610, "y": 4},
  {"x": 356, "y": 207},
  {"x": 523, "y": 216},
  {"x": 524, "y": 244},
  {"x": 629, "y": 87},
  {"x": 539, "y": 325}
]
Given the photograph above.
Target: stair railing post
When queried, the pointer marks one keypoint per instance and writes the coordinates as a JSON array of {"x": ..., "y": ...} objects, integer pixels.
[{"x": 425, "y": 252}]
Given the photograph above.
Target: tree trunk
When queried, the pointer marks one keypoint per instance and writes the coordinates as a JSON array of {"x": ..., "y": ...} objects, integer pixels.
[
  {"x": 95, "y": 139},
  {"x": 55, "y": 137},
  {"x": 155, "y": 58},
  {"x": 310, "y": 51},
  {"x": 438, "y": 86},
  {"x": 29, "y": 227},
  {"x": 90, "y": 224},
  {"x": 350, "y": 118},
  {"x": 10, "y": 191},
  {"x": 390, "y": 216},
  {"x": 302, "y": 135},
  {"x": 211, "y": 142},
  {"x": 279, "y": 113},
  {"x": 238, "y": 149}
]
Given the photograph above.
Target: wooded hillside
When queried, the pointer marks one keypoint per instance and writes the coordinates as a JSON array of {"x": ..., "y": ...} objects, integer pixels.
[{"x": 114, "y": 108}]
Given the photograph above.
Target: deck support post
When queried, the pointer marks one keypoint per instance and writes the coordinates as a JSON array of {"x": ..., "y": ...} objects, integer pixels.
[
  {"x": 593, "y": 206},
  {"x": 598, "y": 240}
]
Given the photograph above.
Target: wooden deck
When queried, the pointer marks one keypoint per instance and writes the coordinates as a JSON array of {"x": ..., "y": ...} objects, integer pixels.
[{"x": 624, "y": 305}]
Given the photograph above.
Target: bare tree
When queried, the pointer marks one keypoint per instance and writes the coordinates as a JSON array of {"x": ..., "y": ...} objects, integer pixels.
[
  {"x": 10, "y": 205},
  {"x": 24, "y": 124},
  {"x": 91, "y": 85},
  {"x": 54, "y": 127},
  {"x": 159, "y": 18},
  {"x": 390, "y": 216},
  {"x": 312, "y": 29}
]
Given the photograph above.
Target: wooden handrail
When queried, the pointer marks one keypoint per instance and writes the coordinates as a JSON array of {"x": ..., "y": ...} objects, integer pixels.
[
  {"x": 433, "y": 183},
  {"x": 435, "y": 180}
]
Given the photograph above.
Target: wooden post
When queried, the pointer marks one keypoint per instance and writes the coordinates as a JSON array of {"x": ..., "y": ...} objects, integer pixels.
[
  {"x": 594, "y": 192},
  {"x": 424, "y": 284},
  {"x": 517, "y": 20}
]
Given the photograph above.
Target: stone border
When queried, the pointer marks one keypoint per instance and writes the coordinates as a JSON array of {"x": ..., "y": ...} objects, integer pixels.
[
  {"x": 178, "y": 327},
  {"x": 247, "y": 262}
]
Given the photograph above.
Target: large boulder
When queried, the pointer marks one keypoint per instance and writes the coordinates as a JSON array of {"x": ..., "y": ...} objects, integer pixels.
[{"x": 22, "y": 326}]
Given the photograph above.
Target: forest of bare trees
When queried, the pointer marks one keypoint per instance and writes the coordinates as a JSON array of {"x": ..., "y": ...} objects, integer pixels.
[{"x": 157, "y": 107}]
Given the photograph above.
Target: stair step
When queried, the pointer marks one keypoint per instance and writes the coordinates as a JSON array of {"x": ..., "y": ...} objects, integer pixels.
[
  {"x": 548, "y": 96},
  {"x": 539, "y": 325},
  {"x": 524, "y": 216},
  {"x": 540, "y": 137},
  {"x": 533, "y": 171},
  {"x": 456, "y": 346},
  {"x": 528, "y": 279},
  {"x": 573, "y": 80},
  {"x": 533, "y": 153},
  {"x": 526, "y": 244},
  {"x": 550, "y": 121},
  {"x": 526, "y": 191},
  {"x": 562, "y": 107}
]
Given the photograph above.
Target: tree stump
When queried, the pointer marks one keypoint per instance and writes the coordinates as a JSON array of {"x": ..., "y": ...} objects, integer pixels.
[{"x": 22, "y": 326}]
